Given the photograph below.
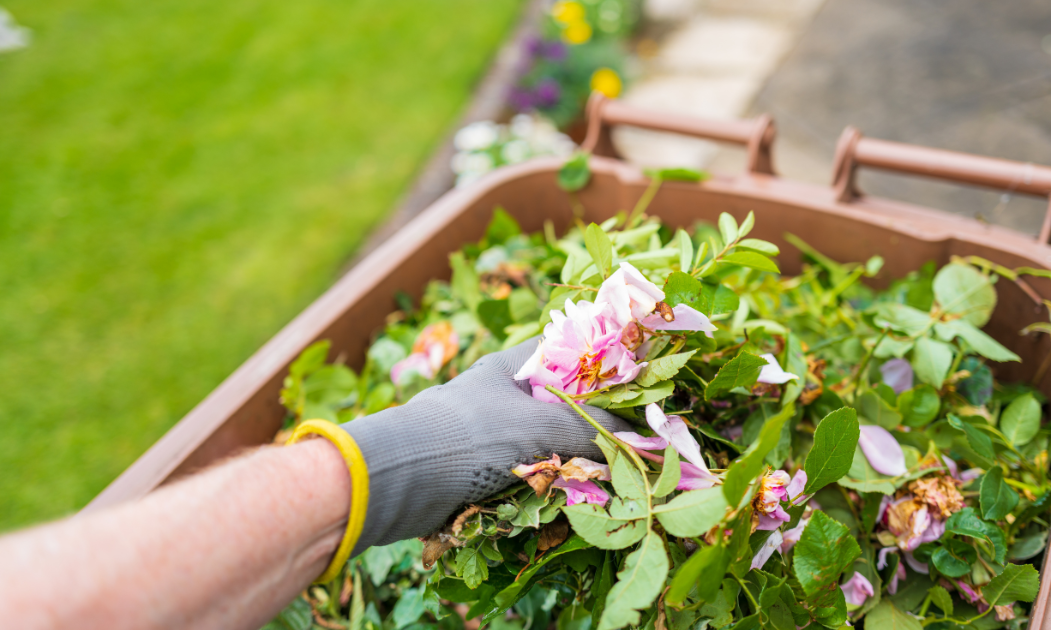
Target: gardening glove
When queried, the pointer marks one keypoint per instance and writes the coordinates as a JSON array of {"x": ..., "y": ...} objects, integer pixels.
[{"x": 451, "y": 445}]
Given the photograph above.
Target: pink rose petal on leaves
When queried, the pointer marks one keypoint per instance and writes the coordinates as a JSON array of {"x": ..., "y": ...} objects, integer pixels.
[
  {"x": 899, "y": 574},
  {"x": 857, "y": 589},
  {"x": 915, "y": 564},
  {"x": 772, "y": 544},
  {"x": 882, "y": 450},
  {"x": 416, "y": 363},
  {"x": 694, "y": 477},
  {"x": 581, "y": 491},
  {"x": 898, "y": 374},
  {"x": 641, "y": 443},
  {"x": 772, "y": 373},
  {"x": 687, "y": 318},
  {"x": 792, "y": 536},
  {"x": 582, "y": 469},
  {"x": 673, "y": 429}
]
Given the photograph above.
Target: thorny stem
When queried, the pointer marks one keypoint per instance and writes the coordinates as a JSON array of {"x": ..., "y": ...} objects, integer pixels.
[
  {"x": 620, "y": 443},
  {"x": 645, "y": 199}
]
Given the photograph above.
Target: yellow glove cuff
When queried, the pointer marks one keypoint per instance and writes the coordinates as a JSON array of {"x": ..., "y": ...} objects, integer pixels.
[{"x": 359, "y": 482}]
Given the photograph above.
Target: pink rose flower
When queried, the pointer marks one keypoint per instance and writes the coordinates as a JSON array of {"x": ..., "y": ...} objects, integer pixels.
[
  {"x": 435, "y": 346},
  {"x": 857, "y": 589}
]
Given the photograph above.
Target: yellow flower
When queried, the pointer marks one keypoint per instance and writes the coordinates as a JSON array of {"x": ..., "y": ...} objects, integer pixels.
[
  {"x": 577, "y": 32},
  {"x": 606, "y": 81},
  {"x": 567, "y": 12}
]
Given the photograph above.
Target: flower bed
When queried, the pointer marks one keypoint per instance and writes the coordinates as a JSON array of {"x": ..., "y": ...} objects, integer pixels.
[{"x": 817, "y": 451}]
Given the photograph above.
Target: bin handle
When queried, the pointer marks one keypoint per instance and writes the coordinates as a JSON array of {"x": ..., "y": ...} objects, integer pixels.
[
  {"x": 854, "y": 150},
  {"x": 757, "y": 134}
]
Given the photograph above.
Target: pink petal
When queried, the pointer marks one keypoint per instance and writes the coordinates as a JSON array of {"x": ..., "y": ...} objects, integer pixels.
[
  {"x": 898, "y": 374},
  {"x": 694, "y": 478},
  {"x": 791, "y": 537},
  {"x": 857, "y": 589},
  {"x": 794, "y": 489},
  {"x": 970, "y": 474},
  {"x": 523, "y": 470},
  {"x": 640, "y": 443},
  {"x": 673, "y": 429},
  {"x": 915, "y": 564},
  {"x": 881, "y": 560},
  {"x": 581, "y": 491},
  {"x": 967, "y": 591},
  {"x": 541, "y": 380},
  {"x": 934, "y": 531},
  {"x": 629, "y": 294},
  {"x": 769, "y": 547},
  {"x": 415, "y": 363},
  {"x": 686, "y": 318},
  {"x": 767, "y": 523},
  {"x": 899, "y": 574},
  {"x": 582, "y": 469},
  {"x": 882, "y": 450},
  {"x": 532, "y": 364},
  {"x": 954, "y": 470},
  {"x": 772, "y": 372}
]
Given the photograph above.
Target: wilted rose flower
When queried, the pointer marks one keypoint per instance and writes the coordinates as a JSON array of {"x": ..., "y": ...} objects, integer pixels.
[
  {"x": 767, "y": 502},
  {"x": 435, "y": 346},
  {"x": 580, "y": 352},
  {"x": 857, "y": 589},
  {"x": 574, "y": 477},
  {"x": 909, "y": 521},
  {"x": 940, "y": 493}
]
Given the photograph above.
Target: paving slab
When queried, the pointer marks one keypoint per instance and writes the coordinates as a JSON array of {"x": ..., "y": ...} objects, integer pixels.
[{"x": 965, "y": 75}]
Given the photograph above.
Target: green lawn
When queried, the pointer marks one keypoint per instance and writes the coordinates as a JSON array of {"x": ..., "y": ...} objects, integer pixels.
[{"x": 178, "y": 179}]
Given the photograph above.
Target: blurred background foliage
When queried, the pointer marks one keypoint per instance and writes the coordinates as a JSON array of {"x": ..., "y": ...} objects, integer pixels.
[{"x": 177, "y": 181}]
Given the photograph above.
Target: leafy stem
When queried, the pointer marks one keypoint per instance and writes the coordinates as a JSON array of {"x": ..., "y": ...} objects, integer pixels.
[
  {"x": 865, "y": 362},
  {"x": 645, "y": 199}
]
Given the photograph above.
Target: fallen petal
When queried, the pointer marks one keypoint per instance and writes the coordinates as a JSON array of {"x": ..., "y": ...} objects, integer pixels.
[
  {"x": 915, "y": 564},
  {"x": 792, "y": 536},
  {"x": 416, "y": 363},
  {"x": 581, "y": 492},
  {"x": 641, "y": 443},
  {"x": 898, "y": 374},
  {"x": 772, "y": 544},
  {"x": 582, "y": 469},
  {"x": 687, "y": 318},
  {"x": 857, "y": 589},
  {"x": 882, "y": 450},
  {"x": 772, "y": 372},
  {"x": 796, "y": 486},
  {"x": 525, "y": 470},
  {"x": 673, "y": 429},
  {"x": 694, "y": 477}
]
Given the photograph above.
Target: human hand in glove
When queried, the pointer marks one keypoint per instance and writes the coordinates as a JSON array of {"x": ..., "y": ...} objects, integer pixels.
[{"x": 413, "y": 466}]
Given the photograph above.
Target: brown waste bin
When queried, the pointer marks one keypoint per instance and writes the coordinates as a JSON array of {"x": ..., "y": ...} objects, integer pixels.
[{"x": 244, "y": 410}]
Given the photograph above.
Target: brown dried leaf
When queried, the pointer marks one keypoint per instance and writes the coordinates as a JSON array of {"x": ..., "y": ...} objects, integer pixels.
[
  {"x": 462, "y": 518},
  {"x": 553, "y": 535},
  {"x": 541, "y": 481},
  {"x": 347, "y": 590},
  {"x": 435, "y": 546}
]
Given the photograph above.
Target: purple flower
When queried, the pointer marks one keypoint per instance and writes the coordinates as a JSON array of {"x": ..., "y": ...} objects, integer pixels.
[
  {"x": 857, "y": 589},
  {"x": 554, "y": 51},
  {"x": 548, "y": 93},
  {"x": 898, "y": 374},
  {"x": 581, "y": 491},
  {"x": 521, "y": 99},
  {"x": 882, "y": 450}
]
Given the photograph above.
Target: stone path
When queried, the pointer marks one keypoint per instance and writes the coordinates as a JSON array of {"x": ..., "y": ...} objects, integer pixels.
[{"x": 965, "y": 75}]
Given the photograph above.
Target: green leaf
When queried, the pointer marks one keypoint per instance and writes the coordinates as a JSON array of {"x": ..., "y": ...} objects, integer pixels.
[
  {"x": 727, "y": 228},
  {"x": 716, "y": 299},
  {"x": 835, "y": 442},
  {"x": 600, "y": 248},
  {"x": 996, "y": 497},
  {"x": 887, "y": 616},
  {"x": 638, "y": 584},
  {"x": 931, "y": 360},
  {"x": 594, "y": 525},
  {"x": 670, "y": 474},
  {"x": 604, "y": 581},
  {"x": 501, "y": 227},
  {"x": 942, "y": 599},
  {"x": 1018, "y": 583},
  {"x": 962, "y": 290},
  {"x": 464, "y": 283},
  {"x": 899, "y": 317},
  {"x": 948, "y": 564},
  {"x": 751, "y": 259},
  {"x": 967, "y": 523},
  {"x": 978, "y": 440},
  {"x": 756, "y": 245},
  {"x": 640, "y": 397},
  {"x": 496, "y": 316},
  {"x": 627, "y": 479},
  {"x": 982, "y": 343},
  {"x": 864, "y": 478},
  {"x": 1021, "y": 420},
  {"x": 471, "y": 566},
  {"x": 523, "y": 304},
  {"x": 746, "y": 225},
  {"x": 520, "y": 587},
  {"x": 752, "y": 462},
  {"x": 692, "y": 513},
  {"x": 685, "y": 250},
  {"x": 410, "y": 607},
  {"x": 663, "y": 368},
  {"x": 710, "y": 562},
  {"x": 575, "y": 173},
  {"x": 823, "y": 552},
  {"x": 877, "y": 411},
  {"x": 678, "y": 174},
  {"x": 295, "y": 616},
  {"x": 740, "y": 371},
  {"x": 529, "y": 512},
  {"x": 919, "y": 405}
]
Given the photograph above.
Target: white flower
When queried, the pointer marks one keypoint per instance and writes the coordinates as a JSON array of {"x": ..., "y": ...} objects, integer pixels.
[
  {"x": 477, "y": 135},
  {"x": 772, "y": 372},
  {"x": 522, "y": 125},
  {"x": 12, "y": 36},
  {"x": 515, "y": 151}
]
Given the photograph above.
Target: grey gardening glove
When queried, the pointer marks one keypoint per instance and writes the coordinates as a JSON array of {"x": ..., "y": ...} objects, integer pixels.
[{"x": 456, "y": 443}]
